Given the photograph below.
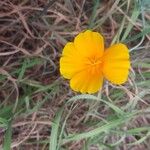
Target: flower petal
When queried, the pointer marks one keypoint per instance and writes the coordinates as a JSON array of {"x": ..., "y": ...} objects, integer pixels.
[
  {"x": 89, "y": 43},
  {"x": 70, "y": 62},
  {"x": 84, "y": 82},
  {"x": 116, "y": 63}
]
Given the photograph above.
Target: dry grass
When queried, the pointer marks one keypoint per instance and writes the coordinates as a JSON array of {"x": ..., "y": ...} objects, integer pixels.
[{"x": 32, "y": 35}]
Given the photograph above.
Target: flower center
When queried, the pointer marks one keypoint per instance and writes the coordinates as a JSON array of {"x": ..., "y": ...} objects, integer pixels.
[
  {"x": 94, "y": 65},
  {"x": 95, "y": 60}
]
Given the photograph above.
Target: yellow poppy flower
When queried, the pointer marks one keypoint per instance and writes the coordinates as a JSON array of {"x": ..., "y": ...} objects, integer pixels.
[{"x": 86, "y": 63}]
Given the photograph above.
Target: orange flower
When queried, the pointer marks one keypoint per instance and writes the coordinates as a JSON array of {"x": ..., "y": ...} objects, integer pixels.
[{"x": 86, "y": 64}]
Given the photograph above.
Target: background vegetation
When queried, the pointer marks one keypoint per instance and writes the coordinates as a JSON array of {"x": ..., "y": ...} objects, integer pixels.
[{"x": 38, "y": 110}]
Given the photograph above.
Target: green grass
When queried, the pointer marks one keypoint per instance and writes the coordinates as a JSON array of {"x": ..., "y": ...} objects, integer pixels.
[{"x": 39, "y": 110}]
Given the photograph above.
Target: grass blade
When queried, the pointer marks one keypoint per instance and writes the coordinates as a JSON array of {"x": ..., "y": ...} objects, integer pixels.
[
  {"x": 8, "y": 136},
  {"x": 93, "y": 16},
  {"x": 98, "y": 130},
  {"x": 54, "y": 132},
  {"x": 92, "y": 97},
  {"x": 134, "y": 17}
]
